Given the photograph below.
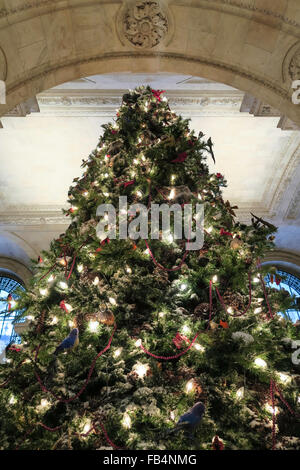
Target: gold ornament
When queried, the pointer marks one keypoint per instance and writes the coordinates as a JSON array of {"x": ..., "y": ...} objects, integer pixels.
[
  {"x": 107, "y": 317},
  {"x": 236, "y": 244}
]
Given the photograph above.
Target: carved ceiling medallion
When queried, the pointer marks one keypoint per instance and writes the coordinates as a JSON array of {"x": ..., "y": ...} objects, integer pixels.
[{"x": 145, "y": 23}]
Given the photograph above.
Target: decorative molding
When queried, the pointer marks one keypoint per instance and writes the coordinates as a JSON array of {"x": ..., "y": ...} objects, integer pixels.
[
  {"x": 3, "y": 65},
  {"x": 243, "y": 9},
  {"x": 103, "y": 103},
  {"x": 291, "y": 64},
  {"x": 256, "y": 107},
  {"x": 35, "y": 215},
  {"x": 294, "y": 207},
  {"x": 286, "y": 124},
  {"x": 21, "y": 110},
  {"x": 144, "y": 23}
]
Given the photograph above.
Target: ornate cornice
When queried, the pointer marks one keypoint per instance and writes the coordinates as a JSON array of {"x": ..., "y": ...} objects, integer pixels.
[{"x": 103, "y": 103}]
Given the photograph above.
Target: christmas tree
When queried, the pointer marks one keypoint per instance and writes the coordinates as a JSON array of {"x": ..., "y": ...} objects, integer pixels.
[{"x": 143, "y": 343}]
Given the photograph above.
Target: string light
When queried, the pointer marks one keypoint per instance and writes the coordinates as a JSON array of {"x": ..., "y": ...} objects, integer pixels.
[
  {"x": 54, "y": 321},
  {"x": 284, "y": 378},
  {"x": 240, "y": 392},
  {"x": 93, "y": 326},
  {"x": 172, "y": 194},
  {"x": 186, "y": 329},
  {"x": 87, "y": 426},
  {"x": 173, "y": 177},
  {"x": 80, "y": 268},
  {"x": 71, "y": 323},
  {"x": 198, "y": 347},
  {"x": 139, "y": 193},
  {"x": 62, "y": 261},
  {"x": 230, "y": 310},
  {"x": 96, "y": 281},
  {"x": 112, "y": 301},
  {"x": 63, "y": 285},
  {"x": 172, "y": 416},
  {"x": 44, "y": 292},
  {"x": 161, "y": 314},
  {"x": 190, "y": 386},
  {"x": 209, "y": 229},
  {"x": 69, "y": 307},
  {"x": 51, "y": 278},
  {"x": 12, "y": 400},
  {"x": 260, "y": 362},
  {"x": 106, "y": 194},
  {"x": 126, "y": 422},
  {"x": 141, "y": 369},
  {"x": 271, "y": 410},
  {"x": 146, "y": 252},
  {"x": 86, "y": 193},
  {"x": 44, "y": 403},
  {"x": 138, "y": 343},
  {"x": 128, "y": 270},
  {"x": 183, "y": 286},
  {"x": 215, "y": 279},
  {"x": 258, "y": 310},
  {"x": 255, "y": 280},
  {"x": 117, "y": 352},
  {"x": 30, "y": 317}
]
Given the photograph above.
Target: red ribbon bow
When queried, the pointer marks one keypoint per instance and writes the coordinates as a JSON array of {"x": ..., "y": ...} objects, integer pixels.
[
  {"x": 157, "y": 94},
  {"x": 128, "y": 183},
  {"x": 218, "y": 175},
  {"x": 63, "y": 306},
  {"x": 223, "y": 232},
  {"x": 179, "y": 340},
  {"x": 181, "y": 158}
]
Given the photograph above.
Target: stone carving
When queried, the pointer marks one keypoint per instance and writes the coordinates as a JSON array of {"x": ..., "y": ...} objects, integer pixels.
[
  {"x": 145, "y": 24},
  {"x": 294, "y": 66},
  {"x": 3, "y": 65}
]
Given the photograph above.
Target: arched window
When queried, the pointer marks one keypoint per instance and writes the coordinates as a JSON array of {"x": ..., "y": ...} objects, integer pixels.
[
  {"x": 9, "y": 285},
  {"x": 291, "y": 284}
]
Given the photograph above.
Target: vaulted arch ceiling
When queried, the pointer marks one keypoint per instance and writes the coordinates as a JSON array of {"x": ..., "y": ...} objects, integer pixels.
[{"x": 252, "y": 45}]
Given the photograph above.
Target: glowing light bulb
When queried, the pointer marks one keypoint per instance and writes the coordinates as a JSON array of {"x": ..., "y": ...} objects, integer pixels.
[
  {"x": 96, "y": 281},
  {"x": 209, "y": 229},
  {"x": 240, "y": 392},
  {"x": 173, "y": 177},
  {"x": 172, "y": 416},
  {"x": 141, "y": 369},
  {"x": 172, "y": 194},
  {"x": 170, "y": 238},
  {"x": 54, "y": 321},
  {"x": 112, "y": 301},
  {"x": 215, "y": 279},
  {"x": 255, "y": 280},
  {"x": 258, "y": 310},
  {"x": 93, "y": 326},
  {"x": 183, "y": 286},
  {"x": 146, "y": 252},
  {"x": 44, "y": 292},
  {"x": 199, "y": 197},
  {"x": 62, "y": 261},
  {"x": 44, "y": 403},
  {"x": 92, "y": 255},
  {"x": 86, "y": 193},
  {"x": 30, "y": 317},
  {"x": 198, "y": 347},
  {"x": 271, "y": 410},
  {"x": 161, "y": 314},
  {"x": 230, "y": 310},
  {"x": 126, "y": 422},
  {"x": 106, "y": 175},
  {"x": 138, "y": 343},
  {"x": 80, "y": 268},
  {"x": 12, "y": 400},
  {"x": 186, "y": 329},
  {"x": 69, "y": 307},
  {"x": 260, "y": 362},
  {"x": 135, "y": 160},
  {"x": 117, "y": 352},
  {"x": 51, "y": 278},
  {"x": 128, "y": 270},
  {"x": 106, "y": 194},
  {"x": 71, "y": 324},
  {"x": 87, "y": 427},
  {"x": 190, "y": 386},
  {"x": 284, "y": 378},
  {"x": 63, "y": 285},
  {"x": 260, "y": 300},
  {"x": 13, "y": 303},
  {"x": 139, "y": 193}
]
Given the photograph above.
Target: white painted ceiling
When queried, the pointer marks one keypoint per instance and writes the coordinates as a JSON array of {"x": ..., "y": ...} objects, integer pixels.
[{"x": 41, "y": 153}]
